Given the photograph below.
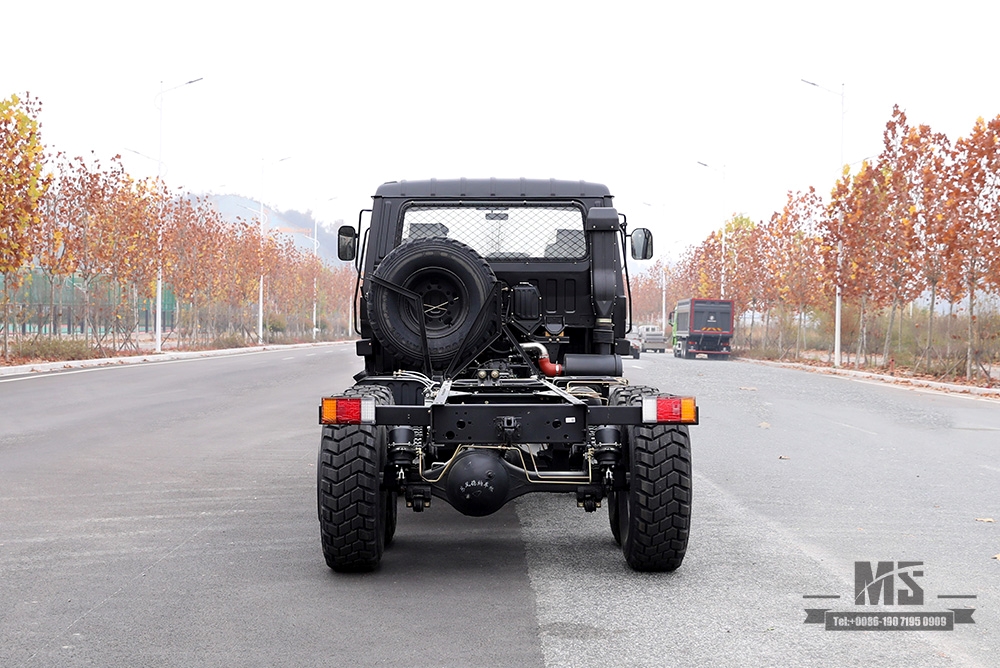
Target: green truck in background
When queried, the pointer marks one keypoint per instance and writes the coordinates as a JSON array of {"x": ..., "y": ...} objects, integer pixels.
[{"x": 702, "y": 328}]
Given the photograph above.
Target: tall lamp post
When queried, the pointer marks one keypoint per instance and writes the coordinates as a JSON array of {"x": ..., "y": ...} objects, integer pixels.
[
  {"x": 159, "y": 226},
  {"x": 315, "y": 241},
  {"x": 260, "y": 292},
  {"x": 840, "y": 245},
  {"x": 315, "y": 270},
  {"x": 722, "y": 282}
]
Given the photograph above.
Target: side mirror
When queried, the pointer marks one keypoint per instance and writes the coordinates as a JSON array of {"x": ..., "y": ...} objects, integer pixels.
[
  {"x": 670, "y": 318},
  {"x": 347, "y": 242},
  {"x": 642, "y": 244}
]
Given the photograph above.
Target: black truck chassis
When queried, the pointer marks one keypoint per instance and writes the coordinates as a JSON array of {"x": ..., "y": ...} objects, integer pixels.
[{"x": 493, "y": 369}]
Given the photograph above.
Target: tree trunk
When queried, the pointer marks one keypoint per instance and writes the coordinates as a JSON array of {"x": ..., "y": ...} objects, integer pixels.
[
  {"x": 799, "y": 334},
  {"x": 888, "y": 333},
  {"x": 947, "y": 336},
  {"x": 6, "y": 321},
  {"x": 781, "y": 335},
  {"x": 862, "y": 335},
  {"x": 767, "y": 329},
  {"x": 971, "y": 331},
  {"x": 926, "y": 357}
]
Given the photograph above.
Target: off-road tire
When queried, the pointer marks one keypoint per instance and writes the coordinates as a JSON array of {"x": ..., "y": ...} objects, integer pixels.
[
  {"x": 654, "y": 512},
  {"x": 351, "y": 499},
  {"x": 453, "y": 281}
]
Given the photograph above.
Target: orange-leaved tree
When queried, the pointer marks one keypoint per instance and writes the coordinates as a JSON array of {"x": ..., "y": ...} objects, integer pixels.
[
  {"x": 22, "y": 186},
  {"x": 794, "y": 256},
  {"x": 927, "y": 158},
  {"x": 897, "y": 252},
  {"x": 975, "y": 202}
]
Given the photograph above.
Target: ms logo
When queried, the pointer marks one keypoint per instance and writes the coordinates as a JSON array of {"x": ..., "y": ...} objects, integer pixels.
[{"x": 871, "y": 585}]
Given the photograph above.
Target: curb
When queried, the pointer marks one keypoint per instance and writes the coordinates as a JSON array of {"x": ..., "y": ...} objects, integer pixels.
[
  {"x": 46, "y": 367},
  {"x": 987, "y": 392}
]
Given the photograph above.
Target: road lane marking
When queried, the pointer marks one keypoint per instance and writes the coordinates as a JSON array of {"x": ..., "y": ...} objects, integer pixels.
[{"x": 851, "y": 426}]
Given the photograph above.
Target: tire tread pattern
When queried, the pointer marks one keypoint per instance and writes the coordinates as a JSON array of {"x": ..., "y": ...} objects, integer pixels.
[
  {"x": 349, "y": 495},
  {"x": 654, "y": 532}
]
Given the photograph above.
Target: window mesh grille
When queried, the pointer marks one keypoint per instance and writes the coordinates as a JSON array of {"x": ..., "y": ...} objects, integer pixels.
[{"x": 504, "y": 232}]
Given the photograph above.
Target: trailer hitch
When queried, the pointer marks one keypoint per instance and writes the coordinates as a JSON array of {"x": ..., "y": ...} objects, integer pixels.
[{"x": 508, "y": 428}]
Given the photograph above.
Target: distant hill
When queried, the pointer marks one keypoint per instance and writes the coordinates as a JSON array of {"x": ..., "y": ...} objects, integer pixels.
[{"x": 296, "y": 224}]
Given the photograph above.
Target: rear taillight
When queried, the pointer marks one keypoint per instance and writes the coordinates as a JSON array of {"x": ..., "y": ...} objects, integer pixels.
[
  {"x": 669, "y": 410},
  {"x": 347, "y": 410}
]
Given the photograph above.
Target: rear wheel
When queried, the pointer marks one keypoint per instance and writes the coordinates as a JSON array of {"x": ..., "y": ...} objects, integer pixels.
[
  {"x": 653, "y": 511},
  {"x": 355, "y": 519}
]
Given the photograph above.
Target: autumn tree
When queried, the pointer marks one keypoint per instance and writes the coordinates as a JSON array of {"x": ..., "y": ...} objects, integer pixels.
[
  {"x": 793, "y": 256},
  {"x": 748, "y": 284},
  {"x": 647, "y": 289},
  {"x": 975, "y": 204},
  {"x": 22, "y": 186},
  {"x": 927, "y": 158},
  {"x": 133, "y": 213},
  {"x": 336, "y": 294},
  {"x": 737, "y": 258},
  {"x": 897, "y": 252},
  {"x": 853, "y": 230},
  {"x": 53, "y": 253}
]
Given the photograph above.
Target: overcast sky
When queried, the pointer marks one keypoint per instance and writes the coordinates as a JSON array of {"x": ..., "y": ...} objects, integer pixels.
[{"x": 631, "y": 94}]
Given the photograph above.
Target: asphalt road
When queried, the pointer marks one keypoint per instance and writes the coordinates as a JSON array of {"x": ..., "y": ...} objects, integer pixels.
[{"x": 164, "y": 515}]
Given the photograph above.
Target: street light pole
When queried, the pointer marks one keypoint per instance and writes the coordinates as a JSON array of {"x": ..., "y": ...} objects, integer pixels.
[
  {"x": 722, "y": 282},
  {"x": 315, "y": 240},
  {"x": 260, "y": 284},
  {"x": 260, "y": 288},
  {"x": 159, "y": 226},
  {"x": 840, "y": 244},
  {"x": 315, "y": 271}
]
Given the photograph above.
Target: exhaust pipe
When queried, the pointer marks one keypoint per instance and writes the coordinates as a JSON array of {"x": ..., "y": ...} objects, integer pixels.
[
  {"x": 576, "y": 364},
  {"x": 548, "y": 367}
]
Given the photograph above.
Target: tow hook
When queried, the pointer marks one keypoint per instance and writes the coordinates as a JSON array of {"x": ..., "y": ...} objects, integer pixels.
[
  {"x": 418, "y": 497},
  {"x": 588, "y": 497},
  {"x": 508, "y": 427}
]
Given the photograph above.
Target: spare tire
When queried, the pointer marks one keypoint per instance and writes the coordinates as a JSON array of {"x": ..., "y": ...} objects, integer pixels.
[{"x": 453, "y": 282}]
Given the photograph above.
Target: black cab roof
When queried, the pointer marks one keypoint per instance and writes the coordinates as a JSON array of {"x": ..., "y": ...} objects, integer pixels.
[{"x": 492, "y": 187}]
